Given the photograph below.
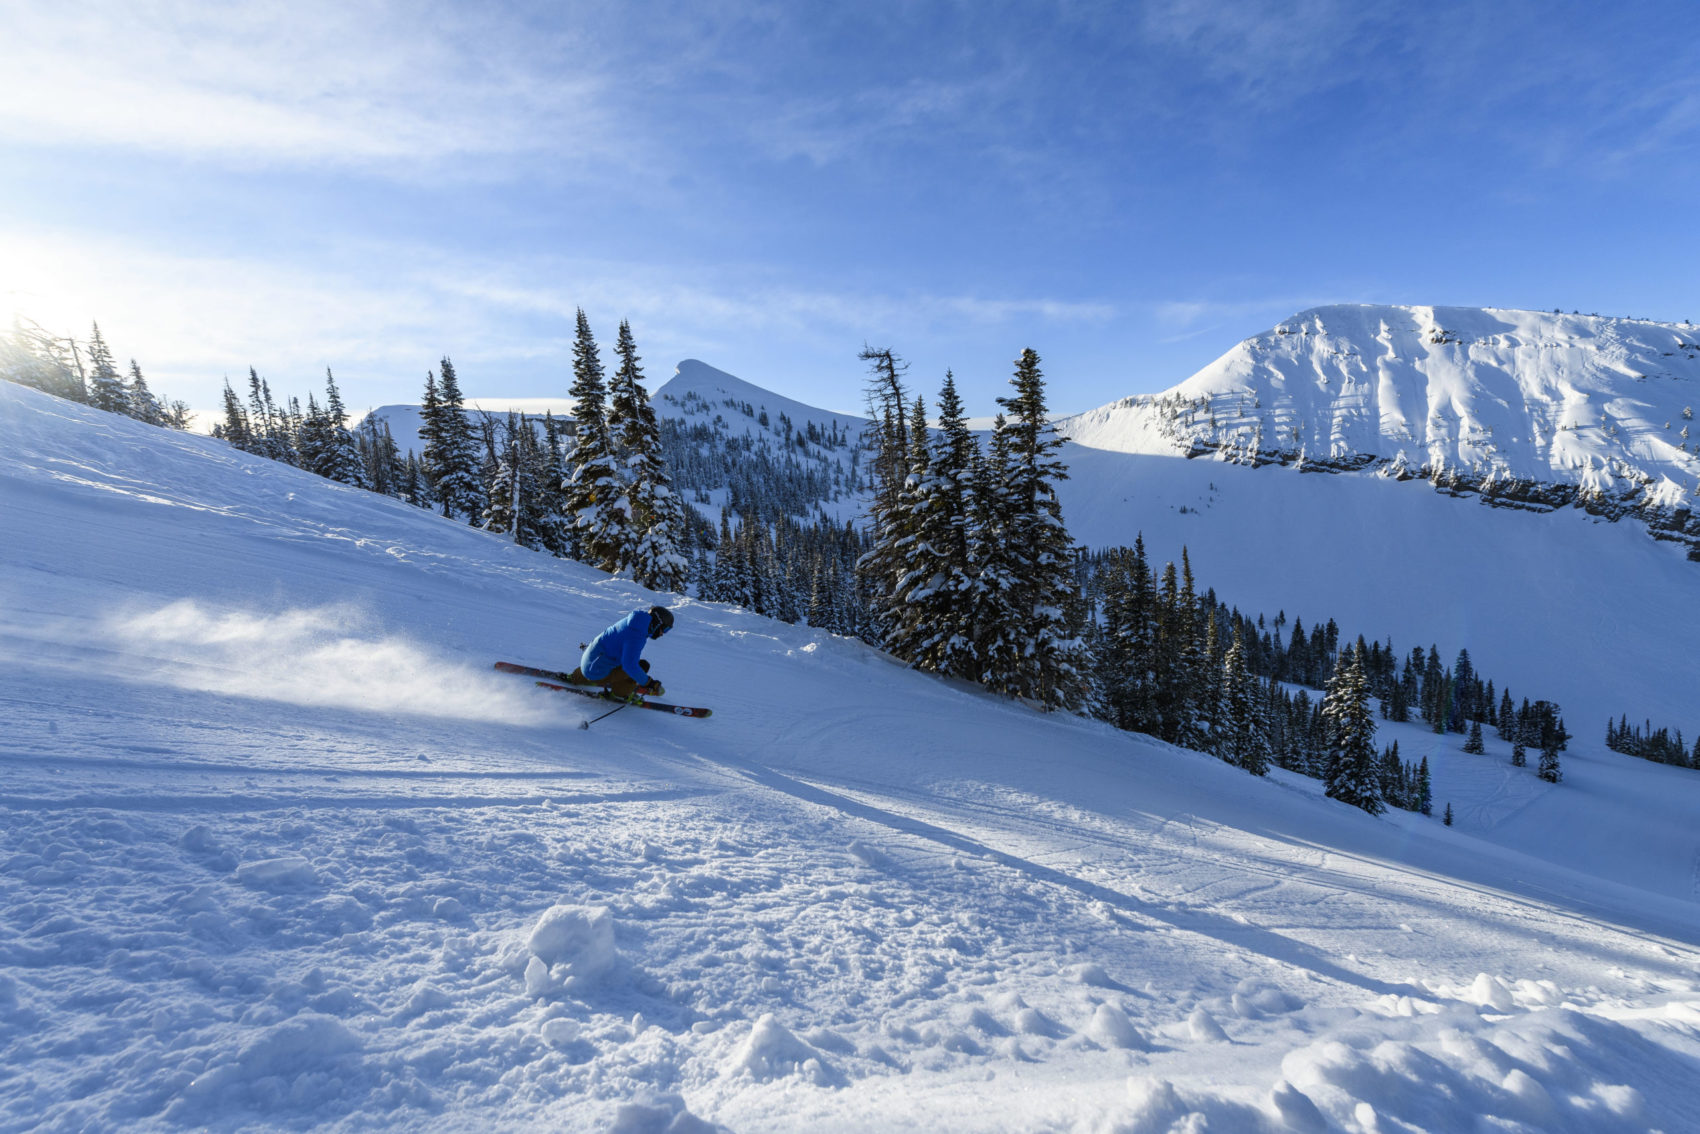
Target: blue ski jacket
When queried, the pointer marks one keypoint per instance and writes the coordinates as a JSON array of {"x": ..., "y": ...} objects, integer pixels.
[{"x": 619, "y": 645}]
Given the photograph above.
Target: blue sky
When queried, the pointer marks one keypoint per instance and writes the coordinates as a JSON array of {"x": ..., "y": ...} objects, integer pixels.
[{"x": 1128, "y": 188}]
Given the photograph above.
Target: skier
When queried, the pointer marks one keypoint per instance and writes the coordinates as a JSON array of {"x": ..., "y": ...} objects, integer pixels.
[{"x": 613, "y": 659}]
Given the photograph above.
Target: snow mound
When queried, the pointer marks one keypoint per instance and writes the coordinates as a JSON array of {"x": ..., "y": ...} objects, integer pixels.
[
  {"x": 290, "y": 872},
  {"x": 1156, "y": 1107},
  {"x": 659, "y": 1114},
  {"x": 300, "y": 1064},
  {"x": 771, "y": 1051},
  {"x": 570, "y": 946},
  {"x": 1111, "y": 1027}
]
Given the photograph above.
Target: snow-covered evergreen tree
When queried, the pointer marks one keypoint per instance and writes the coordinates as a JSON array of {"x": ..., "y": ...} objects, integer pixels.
[
  {"x": 339, "y": 457},
  {"x": 517, "y": 506},
  {"x": 887, "y": 437},
  {"x": 554, "y": 526},
  {"x": 1129, "y": 660},
  {"x": 106, "y": 385},
  {"x": 1351, "y": 774},
  {"x": 312, "y": 440},
  {"x": 907, "y": 626},
  {"x": 143, "y": 406},
  {"x": 385, "y": 471},
  {"x": 999, "y": 633},
  {"x": 1054, "y": 666},
  {"x": 595, "y": 492},
  {"x": 453, "y": 455},
  {"x": 235, "y": 428},
  {"x": 1242, "y": 736},
  {"x": 937, "y": 586},
  {"x": 655, "y": 556}
]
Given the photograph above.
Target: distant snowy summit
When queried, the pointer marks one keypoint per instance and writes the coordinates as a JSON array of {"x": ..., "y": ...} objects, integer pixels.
[
  {"x": 1526, "y": 409},
  {"x": 698, "y": 383}
]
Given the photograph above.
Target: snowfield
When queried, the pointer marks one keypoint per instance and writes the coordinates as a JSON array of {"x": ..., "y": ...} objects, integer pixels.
[{"x": 281, "y": 851}]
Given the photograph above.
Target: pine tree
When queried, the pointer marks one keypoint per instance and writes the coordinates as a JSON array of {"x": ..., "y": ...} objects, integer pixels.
[
  {"x": 1243, "y": 738},
  {"x": 385, "y": 472},
  {"x": 235, "y": 428},
  {"x": 1463, "y": 684},
  {"x": 1448, "y": 819},
  {"x": 312, "y": 440},
  {"x": 1053, "y": 668},
  {"x": 1425, "y": 789},
  {"x": 267, "y": 432},
  {"x": 1351, "y": 772},
  {"x": 339, "y": 457},
  {"x": 1130, "y": 639},
  {"x": 143, "y": 406},
  {"x": 1198, "y": 675},
  {"x": 655, "y": 555},
  {"x": 907, "y": 626},
  {"x": 888, "y": 438},
  {"x": 1548, "y": 769},
  {"x": 554, "y": 525},
  {"x": 1474, "y": 745},
  {"x": 452, "y": 456},
  {"x": 516, "y": 507},
  {"x": 998, "y": 636},
  {"x": 595, "y": 493},
  {"x": 945, "y": 521},
  {"x": 1519, "y": 754},
  {"x": 1175, "y": 630},
  {"x": 106, "y": 385}
]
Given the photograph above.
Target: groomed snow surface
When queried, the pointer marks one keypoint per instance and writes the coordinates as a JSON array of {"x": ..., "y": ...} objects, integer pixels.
[{"x": 280, "y": 851}]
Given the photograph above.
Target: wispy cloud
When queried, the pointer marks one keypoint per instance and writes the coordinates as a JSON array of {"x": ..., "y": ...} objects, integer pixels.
[
  {"x": 1272, "y": 53},
  {"x": 316, "y": 81}
]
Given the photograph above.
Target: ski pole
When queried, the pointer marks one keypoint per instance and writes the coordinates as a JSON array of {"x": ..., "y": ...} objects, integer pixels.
[{"x": 609, "y": 713}]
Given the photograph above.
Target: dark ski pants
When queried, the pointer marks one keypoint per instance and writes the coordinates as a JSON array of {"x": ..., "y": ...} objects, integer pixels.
[{"x": 618, "y": 682}]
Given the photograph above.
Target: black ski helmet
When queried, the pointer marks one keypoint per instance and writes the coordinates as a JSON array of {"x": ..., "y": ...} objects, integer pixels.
[{"x": 660, "y": 621}]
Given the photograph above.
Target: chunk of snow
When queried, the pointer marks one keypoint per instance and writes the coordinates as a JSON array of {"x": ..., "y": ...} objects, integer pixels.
[
  {"x": 575, "y": 943},
  {"x": 1111, "y": 1027},
  {"x": 1490, "y": 992},
  {"x": 658, "y": 1114},
  {"x": 1204, "y": 1027},
  {"x": 1032, "y": 1022},
  {"x": 1296, "y": 1109},
  {"x": 770, "y": 1051}
]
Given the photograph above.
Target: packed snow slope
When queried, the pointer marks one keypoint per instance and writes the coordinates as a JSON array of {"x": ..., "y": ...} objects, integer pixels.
[{"x": 280, "y": 851}]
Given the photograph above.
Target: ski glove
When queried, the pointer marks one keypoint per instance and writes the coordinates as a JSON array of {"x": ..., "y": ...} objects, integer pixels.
[{"x": 654, "y": 688}]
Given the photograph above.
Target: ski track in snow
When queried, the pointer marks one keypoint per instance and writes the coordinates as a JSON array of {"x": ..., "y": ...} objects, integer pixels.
[{"x": 251, "y": 878}]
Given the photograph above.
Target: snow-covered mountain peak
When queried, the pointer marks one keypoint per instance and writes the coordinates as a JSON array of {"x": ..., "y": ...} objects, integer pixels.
[
  {"x": 695, "y": 382},
  {"x": 1527, "y": 408}
]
